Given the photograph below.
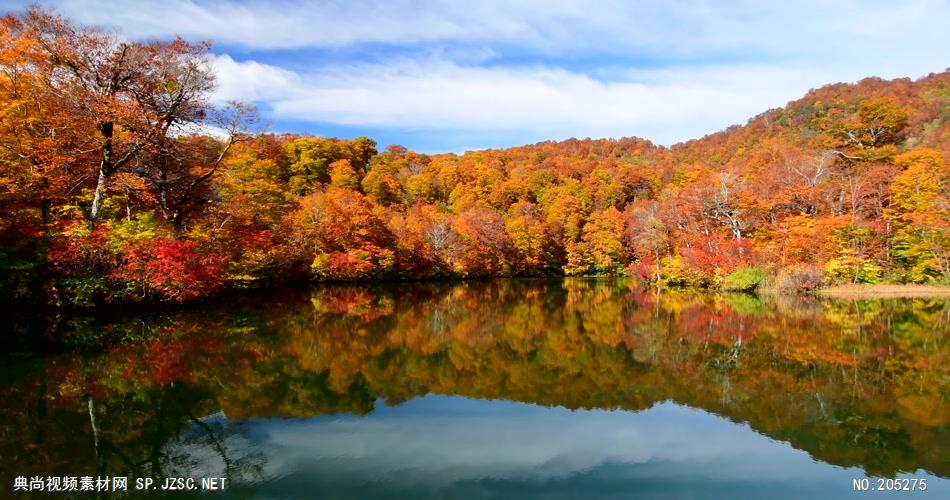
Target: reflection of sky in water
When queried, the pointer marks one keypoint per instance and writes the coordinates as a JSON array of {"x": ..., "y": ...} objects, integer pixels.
[{"x": 452, "y": 446}]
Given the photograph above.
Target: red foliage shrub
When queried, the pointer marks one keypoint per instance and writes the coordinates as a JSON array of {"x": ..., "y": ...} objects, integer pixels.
[
  {"x": 172, "y": 270},
  {"x": 76, "y": 253}
]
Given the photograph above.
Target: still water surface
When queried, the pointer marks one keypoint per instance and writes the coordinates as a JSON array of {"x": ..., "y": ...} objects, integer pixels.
[{"x": 502, "y": 389}]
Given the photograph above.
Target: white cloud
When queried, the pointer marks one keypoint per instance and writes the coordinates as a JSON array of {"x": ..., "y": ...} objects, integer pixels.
[
  {"x": 652, "y": 26},
  {"x": 191, "y": 128},
  {"x": 496, "y": 66},
  {"x": 665, "y": 106},
  {"x": 251, "y": 80}
]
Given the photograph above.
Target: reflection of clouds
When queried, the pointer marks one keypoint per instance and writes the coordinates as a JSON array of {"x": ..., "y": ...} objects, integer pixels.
[
  {"x": 216, "y": 448},
  {"x": 439, "y": 440},
  {"x": 453, "y": 446}
]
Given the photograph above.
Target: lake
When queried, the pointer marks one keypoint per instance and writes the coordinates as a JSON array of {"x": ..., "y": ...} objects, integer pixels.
[{"x": 494, "y": 389}]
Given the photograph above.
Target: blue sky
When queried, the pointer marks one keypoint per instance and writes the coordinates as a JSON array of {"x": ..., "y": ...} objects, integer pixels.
[{"x": 453, "y": 76}]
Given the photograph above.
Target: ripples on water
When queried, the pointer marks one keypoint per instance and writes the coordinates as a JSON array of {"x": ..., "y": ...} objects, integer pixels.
[{"x": 560, "y": 389}]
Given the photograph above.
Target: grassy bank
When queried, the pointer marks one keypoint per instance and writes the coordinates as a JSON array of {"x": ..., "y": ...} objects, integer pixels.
[{"x": 884, "y": 291}]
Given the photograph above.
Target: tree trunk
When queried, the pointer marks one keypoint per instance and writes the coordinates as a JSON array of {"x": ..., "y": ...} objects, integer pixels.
[
  {"x": 98, "y": 199},
  {"x": 46, "y": 206},
  {"x": 105, "y": 170}
]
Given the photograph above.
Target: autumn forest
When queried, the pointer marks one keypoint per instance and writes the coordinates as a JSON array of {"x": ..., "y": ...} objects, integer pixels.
[{"x": 121, "y": 182}]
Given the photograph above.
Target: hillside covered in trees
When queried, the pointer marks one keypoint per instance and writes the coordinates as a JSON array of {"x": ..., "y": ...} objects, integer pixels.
[{"x": 121, "y": 182}]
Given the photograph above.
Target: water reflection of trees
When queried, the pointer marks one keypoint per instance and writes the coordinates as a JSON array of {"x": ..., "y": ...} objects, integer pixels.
[{"x": 861, "y": 383}]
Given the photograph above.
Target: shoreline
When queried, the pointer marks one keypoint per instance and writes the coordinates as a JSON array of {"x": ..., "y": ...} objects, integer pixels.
[
  {"x": 883, "y": 291},
  {"x": 849, "y": 291}
]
